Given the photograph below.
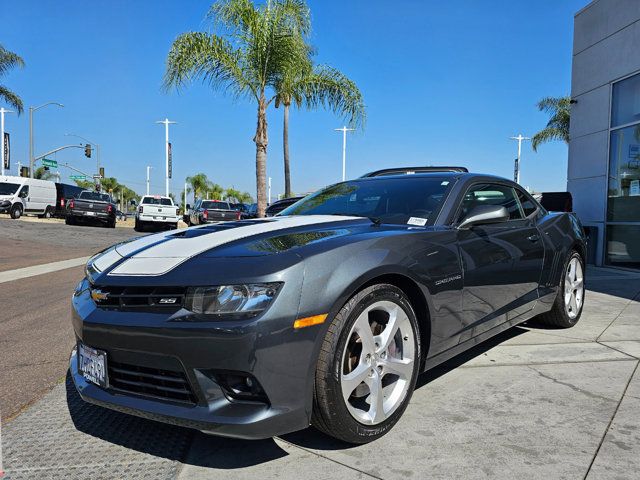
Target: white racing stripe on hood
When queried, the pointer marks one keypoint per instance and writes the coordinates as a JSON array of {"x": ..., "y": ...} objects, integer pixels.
[{"x": 161, "y": 258}]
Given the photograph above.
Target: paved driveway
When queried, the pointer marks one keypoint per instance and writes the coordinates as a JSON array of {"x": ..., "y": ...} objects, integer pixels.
[{"x": 532, "y": 403}]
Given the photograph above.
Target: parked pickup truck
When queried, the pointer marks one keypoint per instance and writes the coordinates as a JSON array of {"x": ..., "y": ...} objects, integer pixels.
[
  {"x": 207, "y": 211},
  {"x": 156, "y": 210},
  {"x": 91, "y": 207}
]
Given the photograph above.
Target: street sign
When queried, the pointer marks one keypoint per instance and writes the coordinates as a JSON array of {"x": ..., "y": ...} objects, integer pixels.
[
  {"x": 7, "y": 152},
  {"x": 170, "y": 158},
  {"x": 49, "y": 163},
  {"x": 77, "y": 177}
]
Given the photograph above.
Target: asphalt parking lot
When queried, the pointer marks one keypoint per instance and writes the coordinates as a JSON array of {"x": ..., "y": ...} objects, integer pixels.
[{"x": 532, "y": 403}]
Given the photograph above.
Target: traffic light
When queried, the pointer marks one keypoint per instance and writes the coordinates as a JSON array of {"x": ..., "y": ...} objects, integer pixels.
[
  {"x": 24, "y": 172},
  {"x": 46, "y": 169},
  {"x": 101, "y": 172},
  {"x": 87, "y": 150}
]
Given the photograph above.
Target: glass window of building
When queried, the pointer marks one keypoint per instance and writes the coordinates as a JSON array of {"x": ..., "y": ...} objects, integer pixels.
[{"x": 623, "y": 206}]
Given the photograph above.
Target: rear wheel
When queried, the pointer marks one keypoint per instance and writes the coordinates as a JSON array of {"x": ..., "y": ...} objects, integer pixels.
[
  {"x": 111, "y": 223},
  {"x": 368, "y": 366},
  {"x": 16, "y": 211},
  {"x": 138, "y": 226},
  {"x": 567, "y": 308}
]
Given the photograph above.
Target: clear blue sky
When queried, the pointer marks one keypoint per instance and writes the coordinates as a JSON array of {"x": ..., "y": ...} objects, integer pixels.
[{"x": 444, "y": 83}]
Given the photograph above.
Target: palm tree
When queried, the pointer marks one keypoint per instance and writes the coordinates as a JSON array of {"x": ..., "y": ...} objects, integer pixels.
[
  {"x": 313, "y": 87},
  {"x": 232, "y": 194},
  {"x": 559, "y": 108},
  {"x": 9, "y": 60},
  {"x": 255, "y": 45},
  {"x": 199, "y": 184},
  {"x": 215, "y": 191}
]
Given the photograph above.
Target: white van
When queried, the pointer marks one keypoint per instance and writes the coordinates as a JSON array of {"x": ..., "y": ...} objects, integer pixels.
[{"x": 20, "y": 195}]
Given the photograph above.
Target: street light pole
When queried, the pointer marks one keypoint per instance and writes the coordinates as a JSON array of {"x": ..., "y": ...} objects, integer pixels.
[
  {"x": 344, "y": 131},
  {"x": 516, "y": 169},
  {"x": 166, "y": 123},
  {"x": 2, "y": 112},
  {"x": 31, "y": 110},
  {"x": 148, "y": 168}
]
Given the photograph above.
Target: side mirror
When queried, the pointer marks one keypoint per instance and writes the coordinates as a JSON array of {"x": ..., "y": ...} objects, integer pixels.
[{"x": 484, "y": 215}]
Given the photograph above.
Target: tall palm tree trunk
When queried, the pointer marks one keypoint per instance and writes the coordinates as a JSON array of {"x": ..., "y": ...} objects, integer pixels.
[
  {"x": 261, "y": 140},
  {"x": 285, "y": 149}
]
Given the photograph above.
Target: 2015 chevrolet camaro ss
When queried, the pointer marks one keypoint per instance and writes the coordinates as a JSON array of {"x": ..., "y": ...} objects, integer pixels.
[{"x": 326, "y": 314}]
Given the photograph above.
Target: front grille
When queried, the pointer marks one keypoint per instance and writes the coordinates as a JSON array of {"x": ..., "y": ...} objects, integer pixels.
[
  {"x": 139, "y": 298},
  {"x": 150, "y": 382}
]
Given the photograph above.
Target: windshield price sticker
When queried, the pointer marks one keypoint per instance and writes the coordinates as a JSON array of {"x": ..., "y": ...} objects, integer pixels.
[{"x": 421, "y": 222}]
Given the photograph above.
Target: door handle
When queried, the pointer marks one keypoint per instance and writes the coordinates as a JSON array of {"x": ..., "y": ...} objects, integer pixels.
[{"x": 533, "y": 238}]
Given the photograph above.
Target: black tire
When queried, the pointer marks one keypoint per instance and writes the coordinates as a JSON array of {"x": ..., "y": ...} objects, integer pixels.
[
  {"x": 16, "y": 211},
  {"x": 138, "y": 226},
  {"x": 48, "y": 213},
  {"x": 111, "y": 223},
  {"x": 330, "y": 413},
  {"x": 558, "y": 316}
]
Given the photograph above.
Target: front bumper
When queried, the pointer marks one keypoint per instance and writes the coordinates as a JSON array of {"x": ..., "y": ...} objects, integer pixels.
[
  {"x": 5, "y": 206},
  {"x": 268, "y": 348}
]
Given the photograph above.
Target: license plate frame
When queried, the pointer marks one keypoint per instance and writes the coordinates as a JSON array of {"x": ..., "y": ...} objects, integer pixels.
[
  {"x": 92, "y": 365},
  {"x": 91, "y": 214}
]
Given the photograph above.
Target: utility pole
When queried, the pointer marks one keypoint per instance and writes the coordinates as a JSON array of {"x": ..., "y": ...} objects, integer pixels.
[
  {"x": 2, "y": 112},
  {"x": 148, "y": 168},
  {"x": 344, "y": 131},
  {"x": 31, "y": 110},
  {"x": 166, "y": 123},
  {"x": 516, "y": 168}
]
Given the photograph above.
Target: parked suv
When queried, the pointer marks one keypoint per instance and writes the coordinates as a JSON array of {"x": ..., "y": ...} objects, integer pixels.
[{"x": 158, "y": 211}]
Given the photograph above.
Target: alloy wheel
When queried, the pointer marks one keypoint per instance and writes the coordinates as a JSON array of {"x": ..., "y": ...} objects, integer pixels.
[
  {"x": 573, "y": 288},
  {"x": 378, "y": 362}
]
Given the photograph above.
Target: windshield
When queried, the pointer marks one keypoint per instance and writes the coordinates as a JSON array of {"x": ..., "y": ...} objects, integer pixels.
[
  {"x": 156, "y": 201},
  {"x": 8, "y": 188},
  {"x": 95, "y": 196},
  {"x": 390, "y": 200},
  {"x": 218, "y": 205}
]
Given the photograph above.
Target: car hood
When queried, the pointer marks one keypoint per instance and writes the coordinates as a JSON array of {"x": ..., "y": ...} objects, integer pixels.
[{"x": 159, "y": 254}]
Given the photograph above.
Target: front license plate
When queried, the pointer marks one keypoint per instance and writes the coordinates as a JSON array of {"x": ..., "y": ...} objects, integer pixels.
[
  {"x": 92, "y": 364},
  {"x": 90, "y": 213}
]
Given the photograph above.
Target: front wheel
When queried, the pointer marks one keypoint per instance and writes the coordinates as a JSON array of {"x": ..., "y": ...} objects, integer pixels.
[
  {"x": 567, "y": 308},
  {"x": 368, "y": 366},
  {"x": 16, "y": 211}
]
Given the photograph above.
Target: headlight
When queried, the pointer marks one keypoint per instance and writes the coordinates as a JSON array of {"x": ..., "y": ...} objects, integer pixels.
[{"x": 234, "y": 300}]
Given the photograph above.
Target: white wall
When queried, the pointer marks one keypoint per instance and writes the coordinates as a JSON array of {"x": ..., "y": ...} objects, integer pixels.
[{"x": 606, "y": 47}]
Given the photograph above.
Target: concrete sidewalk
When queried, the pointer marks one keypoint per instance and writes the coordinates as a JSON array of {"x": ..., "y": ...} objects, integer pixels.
[{"x": 531, "y": 403}]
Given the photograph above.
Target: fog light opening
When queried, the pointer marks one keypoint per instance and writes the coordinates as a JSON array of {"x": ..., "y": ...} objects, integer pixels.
[{"x": 239, "y": 386}]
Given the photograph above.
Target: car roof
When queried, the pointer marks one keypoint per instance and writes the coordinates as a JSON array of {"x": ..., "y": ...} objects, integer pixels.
[{"x": 438, "y": 175}]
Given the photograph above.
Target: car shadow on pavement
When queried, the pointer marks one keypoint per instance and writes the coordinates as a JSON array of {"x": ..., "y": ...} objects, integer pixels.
[{"x": 163, "y": 440}]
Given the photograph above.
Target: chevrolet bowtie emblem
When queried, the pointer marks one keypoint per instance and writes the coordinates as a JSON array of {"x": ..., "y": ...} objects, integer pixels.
[{"x": 98, "y": 295}]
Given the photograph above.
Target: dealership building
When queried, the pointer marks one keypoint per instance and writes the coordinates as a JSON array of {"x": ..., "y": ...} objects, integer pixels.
[{"x": 604, "y": 149}]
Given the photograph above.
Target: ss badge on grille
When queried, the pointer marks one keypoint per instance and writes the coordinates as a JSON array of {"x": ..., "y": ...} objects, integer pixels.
[{"x": 168, "y": 300}]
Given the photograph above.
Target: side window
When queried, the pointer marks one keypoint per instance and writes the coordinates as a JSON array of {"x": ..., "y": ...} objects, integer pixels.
[
  {"x": 24, "y": 193},
  {"x": 528, "y": 205},
  {"x": 490, "y": 194}
]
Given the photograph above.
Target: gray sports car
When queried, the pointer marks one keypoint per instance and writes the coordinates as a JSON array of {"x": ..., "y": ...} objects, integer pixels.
[{"x": 325, "y": 314}]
